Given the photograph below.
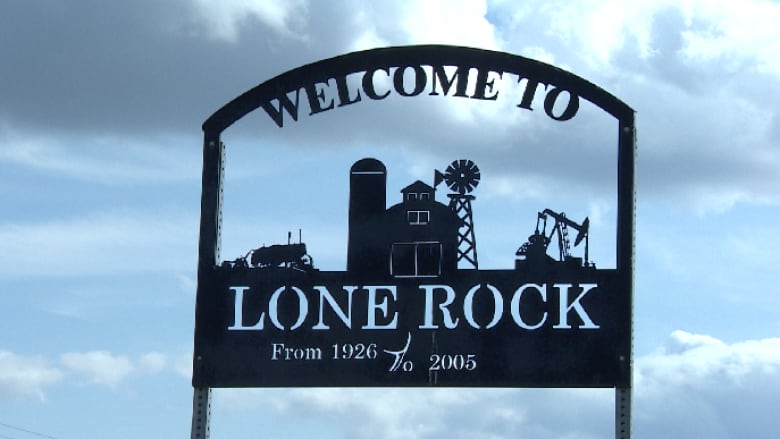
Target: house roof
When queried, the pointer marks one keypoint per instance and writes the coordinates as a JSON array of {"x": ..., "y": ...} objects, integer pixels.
[{"x": 418, "y": 187}]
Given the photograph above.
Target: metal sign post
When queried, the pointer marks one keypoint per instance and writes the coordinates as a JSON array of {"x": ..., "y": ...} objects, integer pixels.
[
  {"x": 201, "y": 413},
  {"x": 208, "y": 255},
  {"x": 626, "y": 257},
  {"x": 412, "y": 308},
  {"x": 623, "y": 413}
]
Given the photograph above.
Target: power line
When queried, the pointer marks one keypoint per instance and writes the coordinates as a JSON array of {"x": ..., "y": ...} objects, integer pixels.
[{"x": 35, "y": 433}]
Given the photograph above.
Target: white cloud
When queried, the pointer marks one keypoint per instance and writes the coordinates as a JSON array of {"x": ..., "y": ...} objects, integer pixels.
[
  {"x": 741, "y": 34},
  {"x": 104, "y": 368},
  {"x": 702, "y": 75},
  {"x": 701, "y": 361},
  {"x": 113, "y": 242},
  {"x": 434, "y": 413},
  {"x": 224, "y": 18},
  {"x": 152, "y": 362},
  {"x": 693, "y": 385},
  {"x": 701, "y": 386},
  {"x": 457, "y": 22},
  {"x": 24, "y": 376},
  {"x": 103, "y": 160},
  {"x": 182, "y": 365},
  {"x": 461, "y": 22},
  {"x": 682, "y": 51},
  {"x": 98, "y": 367}
]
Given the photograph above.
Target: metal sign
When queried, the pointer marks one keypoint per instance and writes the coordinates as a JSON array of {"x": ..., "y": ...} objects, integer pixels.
[{"x": 412, "y": 307}]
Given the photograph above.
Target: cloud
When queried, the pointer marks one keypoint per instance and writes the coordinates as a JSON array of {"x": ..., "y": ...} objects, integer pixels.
[
  {"x": 701, "y": 386},
  {"x": 741, "y": 35},
  {"x": 92, "y": 69},
  {"x": 107, "y": 369},
  {"x": 102, "y": 160},
  {"x": 33, "y": 376},
  {"x": 432, "y": 413},
  {"x": 26, "y": 376},
  {"x": 152, "y": 362},
  {"x": 694, "y": 386},
  {"x": 699, "y": 75},
  {"x": 110, "y": 242},
  {"x": 98, "y": 367},
  {"x": 224, "y": 19},
  {"x": 460, "y": 22},
  {"x": 182, "y": 365},
  {"x": 707, "y": 144}
]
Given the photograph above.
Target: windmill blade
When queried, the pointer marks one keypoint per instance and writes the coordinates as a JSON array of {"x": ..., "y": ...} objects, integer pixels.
[{"x": 462, "y": 176}]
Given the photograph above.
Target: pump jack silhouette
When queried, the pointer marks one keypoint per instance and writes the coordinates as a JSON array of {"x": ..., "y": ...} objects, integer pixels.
[{"x": 534, "y": 251}]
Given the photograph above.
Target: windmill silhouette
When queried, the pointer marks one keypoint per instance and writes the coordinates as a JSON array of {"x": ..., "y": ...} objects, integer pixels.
[{"x": 462, "y": 176}]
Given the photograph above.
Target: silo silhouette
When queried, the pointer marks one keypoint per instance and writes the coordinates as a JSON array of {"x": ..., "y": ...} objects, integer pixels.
[{"x": 367, "y": 251}]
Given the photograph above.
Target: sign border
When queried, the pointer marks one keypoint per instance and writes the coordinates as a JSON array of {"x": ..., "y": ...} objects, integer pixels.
[{"x": 400, "y": 56}]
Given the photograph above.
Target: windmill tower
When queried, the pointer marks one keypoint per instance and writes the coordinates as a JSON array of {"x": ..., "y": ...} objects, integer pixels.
[{"x": 462, "y": 176}]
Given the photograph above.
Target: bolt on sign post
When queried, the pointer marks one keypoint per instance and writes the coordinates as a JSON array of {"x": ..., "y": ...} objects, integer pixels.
[{"x": 412, "y": 308}]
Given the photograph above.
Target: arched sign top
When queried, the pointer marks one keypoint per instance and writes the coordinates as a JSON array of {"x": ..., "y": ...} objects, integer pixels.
[{"x": 448, "y": 69}]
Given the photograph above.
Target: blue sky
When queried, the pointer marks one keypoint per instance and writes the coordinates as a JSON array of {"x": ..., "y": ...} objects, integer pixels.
[{"x": 100, "y": 153}]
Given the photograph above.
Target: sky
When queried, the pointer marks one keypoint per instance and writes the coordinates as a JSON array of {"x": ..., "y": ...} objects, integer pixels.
[{"x": 101, "y": 104}]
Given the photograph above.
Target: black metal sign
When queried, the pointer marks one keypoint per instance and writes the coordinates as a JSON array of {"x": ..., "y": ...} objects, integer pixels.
[{"x": 412, "y": 307}]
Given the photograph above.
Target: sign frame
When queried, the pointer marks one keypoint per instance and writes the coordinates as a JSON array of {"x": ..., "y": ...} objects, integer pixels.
[{"x": 402, "y": 57}]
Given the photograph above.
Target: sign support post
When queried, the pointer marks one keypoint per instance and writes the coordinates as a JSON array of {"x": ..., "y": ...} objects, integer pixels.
[
  {"x": 626, "y": 252},
  {"x": 623, "y": 413},
  {"x": 201, "y": 413},
  {"x": 208, "y": 255}
]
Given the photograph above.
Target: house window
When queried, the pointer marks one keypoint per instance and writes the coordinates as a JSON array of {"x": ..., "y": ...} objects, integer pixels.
[
  {"x": 424, "y": 196},
  {"x": 416, "y": 259},
  {"x": 418, "y": 217},
  {"x": 411, "y": 196}
]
